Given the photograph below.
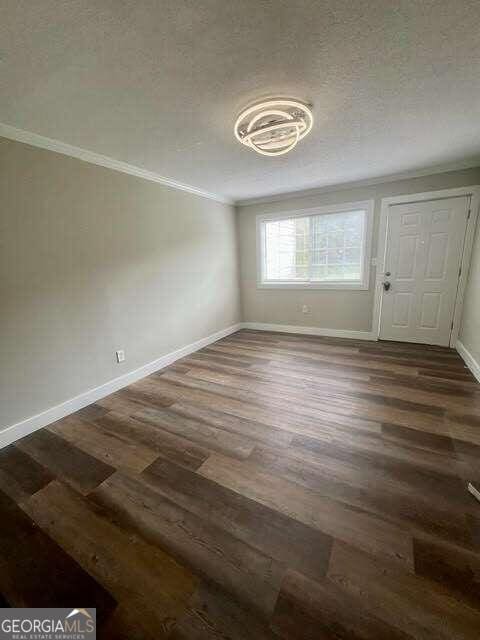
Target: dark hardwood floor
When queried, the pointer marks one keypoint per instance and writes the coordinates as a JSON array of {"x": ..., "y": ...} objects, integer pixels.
[{"x": 270, "y": 486}]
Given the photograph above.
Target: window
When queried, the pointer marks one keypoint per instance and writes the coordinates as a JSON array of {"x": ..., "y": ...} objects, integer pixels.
[{"x": 320, "y": 248}]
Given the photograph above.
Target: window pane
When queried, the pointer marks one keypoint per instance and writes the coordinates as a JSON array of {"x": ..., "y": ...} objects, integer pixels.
[
  {"x": 335, "y": 237},
  {"x": 335, "y": 272},
  {"x": 319, "y": 272},
  {"x": 337, "y": 243},
  {"x": 286, "y": 249},
  {"x": 319, "y": 257},
  {"x": 335, "y": 256},
  {"x": 320, "y": 248},
  {"x": 353, "y": 256}
]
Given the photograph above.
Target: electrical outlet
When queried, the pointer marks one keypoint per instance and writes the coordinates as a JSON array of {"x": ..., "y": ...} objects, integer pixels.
[
  {"x": 120, "y": 355},
  {"x": 305, "y": 309}
]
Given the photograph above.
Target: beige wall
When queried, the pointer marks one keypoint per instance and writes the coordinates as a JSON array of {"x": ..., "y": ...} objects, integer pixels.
[
  {"x": 351, "y": 310},
  {"x": 470, "y": 330},
  {"x": 93, "y": 260}
]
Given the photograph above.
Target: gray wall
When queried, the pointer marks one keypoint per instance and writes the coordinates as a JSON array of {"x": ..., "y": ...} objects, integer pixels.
[
  {"x": 470, "y": 330},
  {"x": 93, "y": 260},
  {"x": 351, "y": 310}
]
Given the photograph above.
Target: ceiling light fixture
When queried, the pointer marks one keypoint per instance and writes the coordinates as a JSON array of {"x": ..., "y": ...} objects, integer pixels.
[{"x": 273, "y": 127}]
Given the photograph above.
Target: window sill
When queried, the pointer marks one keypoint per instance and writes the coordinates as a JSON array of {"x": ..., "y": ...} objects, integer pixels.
[{"x": 328, "y": 286}]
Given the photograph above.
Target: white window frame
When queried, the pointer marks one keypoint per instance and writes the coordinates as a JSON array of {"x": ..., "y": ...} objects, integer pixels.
[{"x": 363, "y": 285}]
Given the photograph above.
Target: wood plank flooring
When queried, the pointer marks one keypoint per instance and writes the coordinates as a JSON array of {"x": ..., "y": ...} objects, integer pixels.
[{"x": 268, "y": 487}]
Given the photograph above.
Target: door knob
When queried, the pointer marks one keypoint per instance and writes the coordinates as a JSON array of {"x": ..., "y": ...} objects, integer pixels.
[{"x": 386, "y": 285}]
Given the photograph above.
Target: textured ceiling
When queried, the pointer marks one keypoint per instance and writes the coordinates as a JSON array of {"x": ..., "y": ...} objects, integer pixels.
[{"x": 158, "y": 84}]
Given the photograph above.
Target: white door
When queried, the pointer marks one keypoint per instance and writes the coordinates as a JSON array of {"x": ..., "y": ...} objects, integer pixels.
[{"x": 424, "y": 246}]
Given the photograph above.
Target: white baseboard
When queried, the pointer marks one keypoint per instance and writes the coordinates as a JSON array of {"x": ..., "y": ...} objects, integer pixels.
[
  {"x": 474, "y": 491},
  {"x": 469, "y": 360},
  {"x": 20, "y": 429},
  {"x": 313, "y": 331}
]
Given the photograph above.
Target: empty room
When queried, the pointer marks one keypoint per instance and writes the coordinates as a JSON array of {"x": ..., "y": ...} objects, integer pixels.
[{"x": 239, "y": 320}]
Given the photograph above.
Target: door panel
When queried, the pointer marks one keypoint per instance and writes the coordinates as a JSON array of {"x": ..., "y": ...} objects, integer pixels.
[
  {"x": 437, "y": 256},
  {"x": 407, "y": 253},
  {"x": 401, "y": 309},
  {"x": 424, "y": 247},
  {"x": 430, "y": 310}
]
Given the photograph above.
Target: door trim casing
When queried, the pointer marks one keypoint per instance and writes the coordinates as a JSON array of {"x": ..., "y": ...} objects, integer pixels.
[{"x": 474, "y": 193}]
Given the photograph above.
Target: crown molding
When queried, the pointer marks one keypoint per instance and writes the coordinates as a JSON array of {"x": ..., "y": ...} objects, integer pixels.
[
  {"x": 36, "y": 140},
  {"x": 368, "y": 182}
]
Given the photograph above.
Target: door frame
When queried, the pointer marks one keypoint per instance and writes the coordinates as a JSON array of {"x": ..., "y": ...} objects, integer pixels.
[{"x": 474, "y": 193}]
